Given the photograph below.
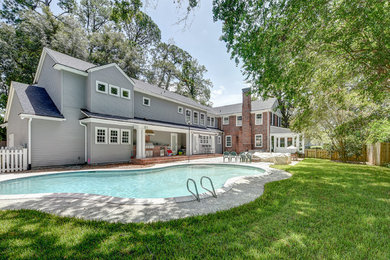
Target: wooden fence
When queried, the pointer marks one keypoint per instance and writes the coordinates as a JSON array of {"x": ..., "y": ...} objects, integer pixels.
[
  {"x": 378, "y": 154},
  {"x": 375, "y": 154},
  {"x": 12, "y": 160}
]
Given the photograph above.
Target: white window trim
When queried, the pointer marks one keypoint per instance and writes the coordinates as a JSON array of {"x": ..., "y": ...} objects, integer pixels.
[
  {"x": 118, "y": 136},
  {"x": 261, "y": 122},
  {"x": 219, "y": 139},
  {"x": 123, "y": 131},
  {"x": 197, "y": 121},
  {"x": 261, "y": 137},
  {"x": 185, "y": 116},
  {"x": 125, "y": 89},
  {"x": 143, "y": 101},
  {"x": 105, "y": 134},
  {"x": 178, "y": 110},
  {"x": 223, "y": 120},
  {"x": 117, "y": 88},
  {"x": 204, "y": 119},
  {"x": 211, "y": 121},
  {"x": 103, "y": 83},
  {"x": 237, "y": 120},
  {"x": 231, "y": 141}
]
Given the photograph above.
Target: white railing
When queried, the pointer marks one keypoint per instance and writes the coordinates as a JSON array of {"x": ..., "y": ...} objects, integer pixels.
[{"x": 13, "y": 159}]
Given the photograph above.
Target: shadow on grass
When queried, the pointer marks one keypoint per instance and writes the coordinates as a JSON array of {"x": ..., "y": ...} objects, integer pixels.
[{"x": 326, "y": 210}]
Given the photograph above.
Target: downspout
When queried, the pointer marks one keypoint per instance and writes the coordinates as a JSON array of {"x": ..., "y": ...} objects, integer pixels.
[
  {"x": 29, "y": 143},
  {"x": 85, "y": 142}
]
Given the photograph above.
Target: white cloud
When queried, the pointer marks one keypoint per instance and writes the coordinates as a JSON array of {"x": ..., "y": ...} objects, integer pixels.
[{"x": 220, "y": 98}]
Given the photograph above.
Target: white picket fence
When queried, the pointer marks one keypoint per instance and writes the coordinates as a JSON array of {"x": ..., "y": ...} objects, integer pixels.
[{"x": 13, "y": 159}]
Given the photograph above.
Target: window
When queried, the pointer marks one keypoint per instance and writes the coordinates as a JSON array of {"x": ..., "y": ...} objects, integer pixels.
[
  {"x": 259, "y": 119},
  {"x": 225, "y": 120},
  {"x": 114, "y": 91},
  {"x": 212, "y": 122},
  {"x": 188, "y": 116},
  {"x": 101, "y": 87},
  {"x": 180, "y": 110},
  {"x": 208, "y": 121},
  {"x": 114, "y": 136},
  {"x": 279, "y": 120},
  {"x": 258, "y": 140},
  {"x": 100, "y": 135},
  {"x": 238, "y": 120},
  {"x": 281, "y": 142},
  {"x": 202, "y": 117},
  {"x": 228, "y": 141},
  {"x": 125, "y": 93},
  {"x": 219, "y": 139},
  {"x": 289, "y": 141},
  {"x": 272, "y": 118},
  {"x": 125, "y": 136},
  {"x": 146, "y": 101},
  {"x": 196, "y": 117}
]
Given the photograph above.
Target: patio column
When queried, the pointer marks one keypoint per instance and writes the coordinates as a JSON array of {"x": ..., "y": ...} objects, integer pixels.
[
  {"x": 303, "y": 144},
  {"x": 188, "y": 144},
  {"x": 140, "y": 152}
]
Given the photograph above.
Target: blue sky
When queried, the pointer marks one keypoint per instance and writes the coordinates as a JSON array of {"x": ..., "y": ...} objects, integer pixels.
[{"x": 201, "y": 39}]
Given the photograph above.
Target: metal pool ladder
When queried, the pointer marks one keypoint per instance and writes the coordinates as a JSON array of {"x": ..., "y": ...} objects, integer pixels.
[
  {"x": 196, "y": 189},
  {"x": 212, "y": 186}
]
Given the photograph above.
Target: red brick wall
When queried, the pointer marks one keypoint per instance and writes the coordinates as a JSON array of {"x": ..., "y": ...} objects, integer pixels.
[
  {"x": 260, "y": 129},
  {"x": 234, "y": 131}
]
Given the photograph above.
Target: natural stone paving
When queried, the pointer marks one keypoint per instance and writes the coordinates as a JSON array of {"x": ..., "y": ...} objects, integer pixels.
[{"x": 95, "y": 207}]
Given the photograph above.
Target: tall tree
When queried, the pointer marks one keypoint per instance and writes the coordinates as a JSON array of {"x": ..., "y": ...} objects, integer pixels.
[
  {"x": 193, "y": 84},
  {"x": 278, "y": 41},
  {"x": 93, "y": 14},
  {"x": 167, "y": 60}
]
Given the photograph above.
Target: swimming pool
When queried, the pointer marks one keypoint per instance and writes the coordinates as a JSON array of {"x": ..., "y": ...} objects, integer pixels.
[{"x": 163, "y": 182}]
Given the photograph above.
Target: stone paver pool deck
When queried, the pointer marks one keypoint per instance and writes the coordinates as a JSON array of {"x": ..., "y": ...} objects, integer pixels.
[{"x": 236, "y": 192}]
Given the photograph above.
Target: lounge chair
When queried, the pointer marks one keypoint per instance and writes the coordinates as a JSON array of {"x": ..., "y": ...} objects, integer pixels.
[
  {"x": 249, "y": 157},
  {"x": 233, "y": 155},
  {"x": 243, "y": 157},
  {"x": 226, "y": 155}
]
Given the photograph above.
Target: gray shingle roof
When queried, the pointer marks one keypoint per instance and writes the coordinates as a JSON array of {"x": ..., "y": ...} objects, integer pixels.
[
  {"x": 149, "y": 88},
  {"x": 237, "y": 108},
  {"x": 35, "y": 100},
  {"x": 280, "y": 130},
  {"x": 69, "y": 61}
]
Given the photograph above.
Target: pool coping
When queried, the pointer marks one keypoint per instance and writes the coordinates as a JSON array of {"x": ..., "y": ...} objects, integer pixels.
[{"x": 228, "y": 185}]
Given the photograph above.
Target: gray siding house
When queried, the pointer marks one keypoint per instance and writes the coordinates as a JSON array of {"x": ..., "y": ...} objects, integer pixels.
[{"x": 76, "y": 112}]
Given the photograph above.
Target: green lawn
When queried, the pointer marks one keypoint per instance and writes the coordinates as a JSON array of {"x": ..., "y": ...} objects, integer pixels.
[{"x": 326, "y": 210}]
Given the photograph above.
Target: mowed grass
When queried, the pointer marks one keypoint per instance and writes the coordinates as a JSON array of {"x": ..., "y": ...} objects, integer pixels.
[{"x": 326, "y": 210}]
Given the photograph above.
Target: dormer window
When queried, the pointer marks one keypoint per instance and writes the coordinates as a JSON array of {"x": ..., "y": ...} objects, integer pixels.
[
  {"x": 146, "y": 101},
  {"x": 180, "y": 110},
  {"x": 114, "y": 90},
  {"x": 101, "y": 87},
  {"x": 225, "y": 120},
  {"x": 125, "y": 93},
  {"x": 212, "y": 122}
]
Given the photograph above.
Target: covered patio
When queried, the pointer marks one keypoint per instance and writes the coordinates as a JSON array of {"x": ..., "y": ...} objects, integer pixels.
[{"x": 283, "y": 140}]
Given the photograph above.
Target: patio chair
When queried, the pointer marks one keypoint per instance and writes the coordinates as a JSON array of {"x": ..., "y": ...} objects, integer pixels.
[
  {"x": 249, "y": 157},
  {"x": 243, "y": 157},
  {"x": 233, "y": 155},
  {"x": 226, "y": 155}
]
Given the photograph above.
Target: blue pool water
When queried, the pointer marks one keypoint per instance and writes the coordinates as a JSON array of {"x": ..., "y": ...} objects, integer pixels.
[{"x": 146, "y": 183}]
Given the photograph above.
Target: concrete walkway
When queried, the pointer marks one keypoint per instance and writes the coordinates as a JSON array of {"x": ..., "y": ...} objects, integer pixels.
[{"x": 95, "y": 207}]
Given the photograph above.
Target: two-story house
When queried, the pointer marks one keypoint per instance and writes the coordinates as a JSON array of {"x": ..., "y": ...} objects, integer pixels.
[{"x": 76, "y": 112}]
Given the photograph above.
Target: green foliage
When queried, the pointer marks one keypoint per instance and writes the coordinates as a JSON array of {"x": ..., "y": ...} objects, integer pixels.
[{"x": 379, "y": 131}]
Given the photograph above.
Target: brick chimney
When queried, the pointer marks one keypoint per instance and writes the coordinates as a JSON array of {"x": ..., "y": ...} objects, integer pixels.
[{"x": 245, "y": 142}]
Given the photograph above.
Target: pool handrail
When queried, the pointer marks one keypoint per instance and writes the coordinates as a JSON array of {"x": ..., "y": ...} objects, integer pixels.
[
  {"x": 212, "y": 186},
  {"x": 196, "y": 189}
]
